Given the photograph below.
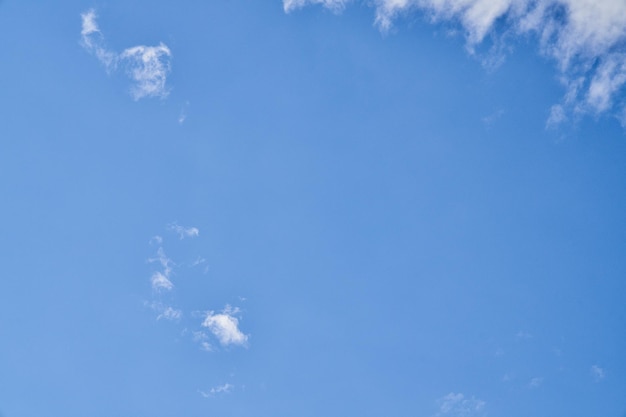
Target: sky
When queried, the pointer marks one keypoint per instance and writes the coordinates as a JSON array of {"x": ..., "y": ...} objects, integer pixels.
[{"x": 313, "y": 208}]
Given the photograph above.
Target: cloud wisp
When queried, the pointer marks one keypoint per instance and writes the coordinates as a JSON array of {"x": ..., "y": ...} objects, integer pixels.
[
  {"x": 225, "y": 327},
  {"x": 585, "y": 38},
  {"x": 220, "y": 389},
  {"x": 182, "y": 231},
  {"x": 146, "y": 66},
  {"x": 161, "y": 279}
]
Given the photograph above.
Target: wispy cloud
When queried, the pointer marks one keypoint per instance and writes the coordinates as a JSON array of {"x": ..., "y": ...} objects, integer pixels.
[
  {"x": 597, "y": 373},
  {"x": 220, "y": 389},
  {"x": 225, "y": 327},
  {"x": 458, "y": 405},
  {"x": 523, "y": 335},
  {"x": 184, "y": 232},
  {"x": 165, "y": 312},
  {"x": 585, "y": 38},
  {"x": 147, "y": 66},
  {"x": 161, "y": 279}
]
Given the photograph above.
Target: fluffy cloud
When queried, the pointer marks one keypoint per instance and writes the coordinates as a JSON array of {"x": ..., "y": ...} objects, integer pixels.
[
  {"x": 459, "y": 405},
  {"x": 147, "y": 66},
  {"x": 584, "y": 37},
  {"x": 225, "y": 327}
]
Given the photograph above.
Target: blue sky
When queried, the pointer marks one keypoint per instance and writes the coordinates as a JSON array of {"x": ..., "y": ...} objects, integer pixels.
[{"x": 313, "y": 208}]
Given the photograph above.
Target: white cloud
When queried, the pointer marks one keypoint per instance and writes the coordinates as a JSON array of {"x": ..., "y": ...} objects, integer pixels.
[
  {"x": 459, "y": 405},
  {"x": 220, "y": 389},
  {"x": 184, "y": 232},
  {"x": 92, "y": 40},
  {"x": 147, "y": 66},
  {"x": 225, "y": 327},
  {"x": 597, "y": 373},
  {"x": 161, "y": 279},
  {"x": 161, "y": 282},
  {"x": 336, "y": 5},
  {"x": 586, "y": 38}
]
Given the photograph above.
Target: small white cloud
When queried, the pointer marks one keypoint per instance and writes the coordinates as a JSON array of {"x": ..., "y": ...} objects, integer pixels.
[
  {"x": 156, "y": 240},
  {"x": 225, "y": 327},
  {"x": 220, "y": 389},
  {"x": 597, "y": 373},
  {"x": 183, "y": 113},
  {"x": 160, "y": 282},
  {"x": 184, "y": 232},
  {"x": 147, "y": 66},
  {"x": 535, "y": 382},
  {"x": 456, "y": 404},
  {"x": 161, "y": 279}
]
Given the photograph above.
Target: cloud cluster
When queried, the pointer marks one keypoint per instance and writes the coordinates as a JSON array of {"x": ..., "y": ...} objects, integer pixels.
[
  {"x": 147, "y": 66},
  {"x": 225, "y": 327},
  {"x": 459, "y": 405},
  {"x": 586, "y": 38}
]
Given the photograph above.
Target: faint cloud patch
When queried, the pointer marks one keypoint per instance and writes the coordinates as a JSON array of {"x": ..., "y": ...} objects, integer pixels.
[
  {"x": 458, "y": 405},
  {"x": 183, "y": 232},
  {"x": 165, "y": 312},
  {"x": 597, "y": 373},
  {"x": 523, "y": 335},
  {"x": 183, "y": 113},
  {"x": 218, "y": 390},
  {"x": 147, "y": 66},
  {"x": 535, "y": 382},
  {"x": 491, "y": 119}
]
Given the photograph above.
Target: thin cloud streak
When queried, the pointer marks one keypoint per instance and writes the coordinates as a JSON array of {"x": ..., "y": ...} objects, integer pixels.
[{"x": 585, "y": 38}]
